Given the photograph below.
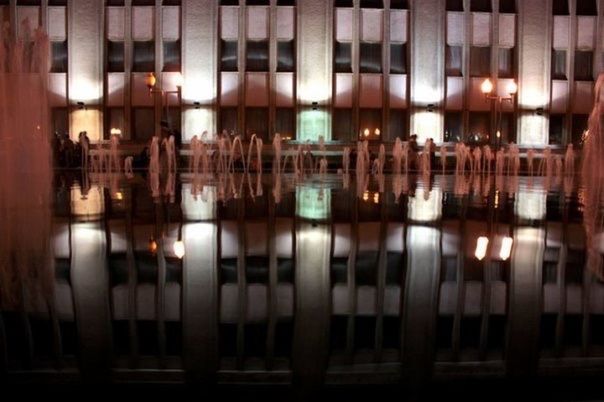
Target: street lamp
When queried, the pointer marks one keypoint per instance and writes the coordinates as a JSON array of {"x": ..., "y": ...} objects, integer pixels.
[
  {"x": 487, "y": 89},
  {"x": 151, "y": 81}
]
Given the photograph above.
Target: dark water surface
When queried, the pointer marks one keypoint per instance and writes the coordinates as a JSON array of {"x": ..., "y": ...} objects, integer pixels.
[{"x": 328, "y": 288}]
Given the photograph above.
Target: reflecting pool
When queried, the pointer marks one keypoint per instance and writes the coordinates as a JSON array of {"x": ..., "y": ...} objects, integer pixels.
[{"x": 327, "y": 284}]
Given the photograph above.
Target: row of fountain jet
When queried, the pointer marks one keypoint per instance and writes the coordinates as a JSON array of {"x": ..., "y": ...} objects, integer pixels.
[{"x": 229, "y": 155}]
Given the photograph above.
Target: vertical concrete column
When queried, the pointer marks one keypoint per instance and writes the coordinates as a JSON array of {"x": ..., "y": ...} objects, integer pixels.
[
  {"x": 427, "y": 51},
  {"x": 313, "y": 298},
  {"x": 199, "y": 65},
  {"x": 85, "y": 35},
  {"x": 420, "y": 304},
  {"x": 314, "y": 68},
  {"x": 534, "y": 75},
  {"x": 90, "y": 281},
  {"x": 522, "y": 349}
]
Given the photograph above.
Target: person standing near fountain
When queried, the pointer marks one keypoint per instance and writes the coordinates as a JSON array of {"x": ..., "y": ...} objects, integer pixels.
[
  {"x": 413, "y": 152},
  {"x": 85, "y": 148}
]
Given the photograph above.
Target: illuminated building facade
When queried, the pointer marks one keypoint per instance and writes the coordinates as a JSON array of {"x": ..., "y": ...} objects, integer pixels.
[{"x": 336, "y": 68}]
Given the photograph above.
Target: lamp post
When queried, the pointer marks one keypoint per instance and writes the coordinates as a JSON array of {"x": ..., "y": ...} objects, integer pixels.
[
  {"x": 151, "y": 81},
  {"x": 487, "y": 89}
]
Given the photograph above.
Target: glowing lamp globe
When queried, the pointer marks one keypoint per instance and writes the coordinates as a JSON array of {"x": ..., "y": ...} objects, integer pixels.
[
  {"x": 512, "y": 88},
  {"x": 486, "y": 87},
  {"x": 179, "y": 249},
  {"x": 150, "y": 80}
]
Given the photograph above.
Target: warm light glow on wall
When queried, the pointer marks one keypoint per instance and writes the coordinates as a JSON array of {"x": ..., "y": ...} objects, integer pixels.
[
  {"x": 312, "y": 124},
  {"x": 85, "y": 90},
  {"x": 88, "y": 120},
  {"x": 196, "y": 121},
  {"x": 426, "y": 125},
  {"x": 197, "y": 89},
  {"x": 506, "y": 248}
]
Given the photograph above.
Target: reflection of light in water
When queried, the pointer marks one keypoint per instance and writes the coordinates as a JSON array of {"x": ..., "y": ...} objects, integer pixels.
[
  {"x": 179, "y": 249},
  {"x": 426, "y": 209},
  {"x": 506, "y": 248},
  {"x": 530, "y": 205},
  {"x": 481, "y": 247},
  {"x": 200, "y": 206},
  {"x": 90, "y": 203},
  {"x": 313, "y": 203}
]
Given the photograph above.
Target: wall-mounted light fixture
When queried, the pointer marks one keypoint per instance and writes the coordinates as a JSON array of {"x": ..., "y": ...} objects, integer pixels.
[
  {"x": 539, "y": 111},
  {"x": 197, "y": 105},
  {"x": 315, "y": 106},
  {"x": 430, "y": 108},
  {"x": 81, "y": 105}
]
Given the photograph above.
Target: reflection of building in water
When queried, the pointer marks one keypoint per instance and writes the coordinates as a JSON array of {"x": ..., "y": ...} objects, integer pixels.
[{"x": 264, "y": 294}]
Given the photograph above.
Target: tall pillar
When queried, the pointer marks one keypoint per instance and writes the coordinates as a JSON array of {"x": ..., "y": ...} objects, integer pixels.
[
  {"x": 522, "y": 349},
  {"x": 420, "y": 305},
  {"x": 427, "y": 44},
  {"x": 200, "y": 286},
  {"x": 199, "y": 66},
  {"x": 313, "y": 298},
  {"x": 85, "y": 69},
  {"x": 90, "y": 282},
  {"x": 314, "y": 68},
  {"x": 534, "y": 75}
]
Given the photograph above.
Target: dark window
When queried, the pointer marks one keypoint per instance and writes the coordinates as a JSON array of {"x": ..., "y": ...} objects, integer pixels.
[
  {"x": 115, "y": 3},
  {"x": 398, "y": 58},
  {"x": 506, "y": 63},
  {"x": 144, "y": 56},
  {"x": 480, "y": 125},
  {"x": 453, "y": 126},
  {"x": 399, "y": 4},
  {"x": 508, "y": 128},
  {"x": 342, "y": 124},
  {"x": 256, "y": 122},
  {"x": 397, "y": 127},
  {"x": 453, "y": 61},
  {"x": 556, "y": 129},
  {"x": 371, "y": 57},
  {"x": 480, "y": 6},
  {"x": 60, "y": 120},
  {"x": 59, "y": 57},
  {"x": 372, "y": 4},
  {"x": 587, "y": 7},
  {"x": 143, "y": 2},
  {"x": 229, "y": 2},
  {"x": 285, "y": 56},
  {"x": 172, "y": 56},
  {"x": 257, "y": 55},
  {"x": 370, "y": 119},
  {"x": 579, "y": 127},
  {"x": 560, "y": 7},
  {"x": 28, "y": 2},
  {"x": 285, "y": 122},
  {"x": 480, "y": 61},
  {"x": 115, "y": 57},
  {"x": 343, "y": 57},
  {"x": 343, "y": 3},
  {"x": 257, "y": 2},
  {"x": 228, "y": 119},
  {"x": 57, "y": 2},
  {"x": 584, "y": 65},
  {"x": 286, "y": 2},
  {"x": 558, "y": 64},
  {"x": 171, "y": 2},
  {"x": 507, "y": 6},
  {"x": 454, "y": 5},
  {"x": 228, "y": 55},
  {"x": 143, "y": 123}
]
